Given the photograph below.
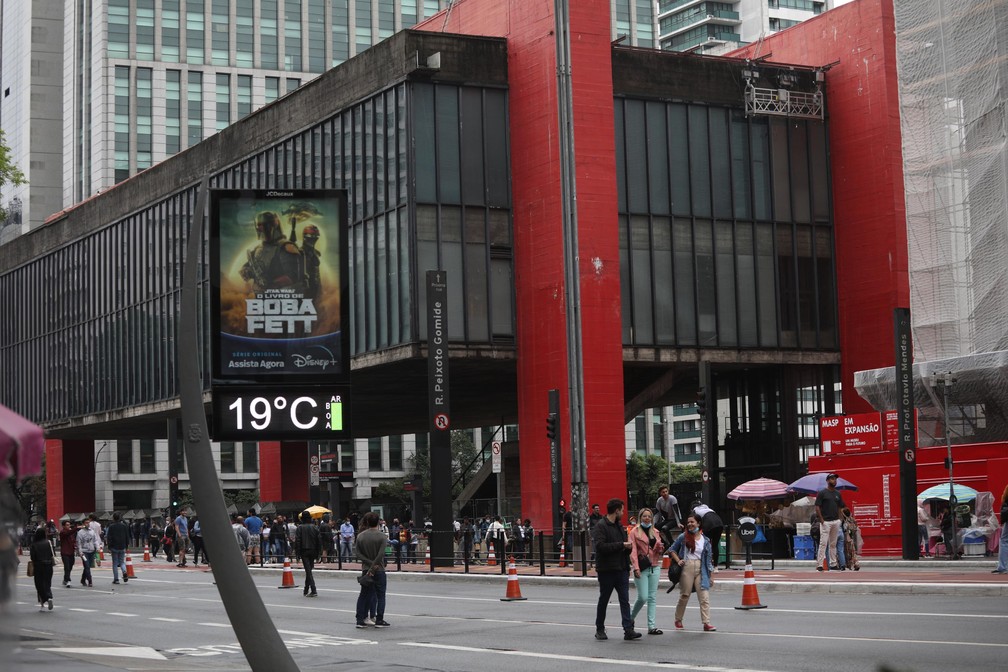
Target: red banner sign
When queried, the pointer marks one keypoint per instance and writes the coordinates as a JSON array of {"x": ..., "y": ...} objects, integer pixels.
[{"x": 860, "y": 433}]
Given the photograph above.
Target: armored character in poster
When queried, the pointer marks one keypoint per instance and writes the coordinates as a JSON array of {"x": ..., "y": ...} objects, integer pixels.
[
  {"x": 312, "y": 261},
  {"x": 275, "y": 263}
]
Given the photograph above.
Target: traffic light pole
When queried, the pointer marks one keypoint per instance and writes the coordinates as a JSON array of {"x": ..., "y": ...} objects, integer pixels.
[{"x": 556, "y": 460}]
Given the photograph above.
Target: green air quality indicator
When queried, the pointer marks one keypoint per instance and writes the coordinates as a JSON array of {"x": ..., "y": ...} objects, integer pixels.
[{"x": 335, "y": 414}]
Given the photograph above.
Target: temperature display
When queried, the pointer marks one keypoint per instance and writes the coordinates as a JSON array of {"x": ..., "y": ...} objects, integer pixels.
[{"x": 281, "y": 412}]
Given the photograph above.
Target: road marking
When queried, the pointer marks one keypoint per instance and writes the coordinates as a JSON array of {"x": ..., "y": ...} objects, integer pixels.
[
  {"x": 632, "y": 662},
  {"x": 166, "y": 620},
  {"x": 144, "y": 652},
  {"x": 215, "y": 625},
  {"x": 878, "y": 640},
  {"x": 119, "y": 613},
  {"x": 299, "y": 640},
  {"x": 86, "y": 611}
]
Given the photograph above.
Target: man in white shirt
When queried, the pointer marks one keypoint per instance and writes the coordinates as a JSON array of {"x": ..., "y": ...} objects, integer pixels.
[{"x": 495, "y": 535}]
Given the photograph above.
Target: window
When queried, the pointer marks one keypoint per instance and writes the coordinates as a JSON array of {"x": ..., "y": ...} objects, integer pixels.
[
  {"x": 292, "y": 35},
  {"x": 173, "y": 111},
  {"x": 395, "y": 453},
  {"x": 269, "y": 50},
  {"x": 244, "y": 96},
  {"x": 148, "y": 456},
  {"x": 195, "y": 28},
  {"x": 640, "y": 434},
  {"x": 118, "y": 28},
  {"x": 219, "y": 32},
  {"x": 227, "y": 457},
  {"x": 195, "y": 108},
  {"x": 223, "y": 101},
  {"x": 362, "y": 29},
  {"x": 244, "y": 34},
  {"x": 170, "y": 31},
  {"x": 144, "y": 120},
  {"x": 316, "y": 35},
  {"x": 145, "y": 30},
  {"x": 123, "y": 130},
  {"x": 375, "y": 454},
  {"x": 341, "y": 31},
  {"x": 250, "y": 456},
  {"x": 292, "y": 83},
  {"x": 272, "y": 89},
  {"x": 124, "y": 450},
  {"x": 346, "y": 457}
]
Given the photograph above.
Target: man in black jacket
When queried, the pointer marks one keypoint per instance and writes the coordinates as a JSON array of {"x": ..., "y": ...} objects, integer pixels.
[
  {"x": 307, "y": 544},
  {"x": 612, "y": 564},
  {"x": 117, "y": 539}
]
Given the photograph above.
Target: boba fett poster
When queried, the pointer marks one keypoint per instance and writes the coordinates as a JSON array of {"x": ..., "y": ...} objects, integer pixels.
[{"x": 280, "y": 284}]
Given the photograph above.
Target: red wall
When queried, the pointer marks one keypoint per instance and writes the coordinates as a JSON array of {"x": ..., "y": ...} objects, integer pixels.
[
  {"x": 283, "y": 471},
  {"x": 867, "y": 170},
  {"x": 981, "y": 466},
  {"x": 529, "y": 27},
  {"x": 70, "y": 477}
]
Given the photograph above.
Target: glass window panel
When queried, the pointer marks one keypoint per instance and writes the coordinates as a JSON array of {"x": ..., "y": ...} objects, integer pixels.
[
  {"x": 250, "y": 456},
  {"x": 721, "y": 184},
  {"x": 395, "y": 453},
  {"x": 244, "y": 35},
  {"x": 145, "y": 30},
  {"x": 382, "y": 280},
  {"x": 447, "y": 119},
  {"x": 405, "y": 277},
  {"x": 827, "y": 287},
  {"x": 620, "y": 125},
  {"x": 685, "y": 302},
  {"x": 124, "y": 457},
  {"x": 195, "y": 31},
  {"x": 706, "y": 290},
  {"x": 781, "y": 182},
  {"x": 664, "y": 307},
  {"x": 374, "y": 454},
  {"x": 788, "y": 290},
  {"x": 371, "y": 294},
  {"x": 699, "y": 154},
  {"x": 472, "y": 146},
  {"x": 269, "y": 43},
  {"x": 766, "y": 285},
  {"x": 740, "y": 166},
  {"x": 359, "y": 309},
  {"x": 626, "y": 285},
  {"x": 745, "y": 262},
  {"x": 819, "y": 160},
  {"x": 148, "y": 454},
  {"x": 657, "y": 148},
  {"x": 502, "y": 285},
  {"x": 316, "y": 35},
  {"x": 423, "y": 139},
  {"x": 477, "y": 308},
  {"x": 636, "y": 148},
  {"x": 807, "y": 293},
  {"x": 394, "y": 260},
  {"x": 427, "y": 257},
  {"x": 228, "y": 463},
  {"x": 170, "y": 39},
  {"x": 640, "y": 255},
  {"x": 724, "y": 248},
  {"x": 679, "y": 158},
  {"x": 799, "y": 172},
  {"x": 497, "y": 167},
  {"x": 292, "y": 35},
  {"x": 761, "y": 168},
  {"x": 451, "y": 262},
  {"x": 340, "y": 31},
  {"x": 118, "y": 28}
]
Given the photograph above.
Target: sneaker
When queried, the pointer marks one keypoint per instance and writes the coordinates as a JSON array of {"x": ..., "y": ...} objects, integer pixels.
[
  {"x": 116, "y": 582},
  {"x": 313, "y": 594},
  {"x": 49, "y": 604},
  {"x": 125, "y": 579},
  {"x": 382, "y": 623},
  {"x": 370, "y": 622},
  {"x": 998, "y": 571},
  {"x": 655, "y": 631},
  {"x": 709, "y": 628},
  {"x": 819, "y": 568},
  {"x": 600, "y": 635},
  {"x": 678, "y": 625},
  {"x": 361, "y": 625},
  {"x": 632, "y": 634}
]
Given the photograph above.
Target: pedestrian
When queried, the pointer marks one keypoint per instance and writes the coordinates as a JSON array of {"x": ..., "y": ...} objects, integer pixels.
[
  {"x": 278, "y": 539},
  {"x": 43, "y": 558},
  {"x": 593, "y": 519},
  {"x": 692, "y": 552},
  {"x": 518, "y": 532},
  {"x": 154, "y": 536},
  {"x": 241, "y": 533},
  {"x": 168, "y": 541},
  {"x": 646, "y": 560},
  {"x": 371, "y": 553},
  {"x": 182, "y": 536},
  {"x": 117, "y": 538},
  {"x": 567, "y": 530},
  {"x": 326, "y": 537},
  {"x": 68, "y": 549},
  {"x": 667, "y": 516},
  {"x": 307, "y": 544},
  {"x": 613, "y": 569},
  {"x": 923, "y": 538},
  {"x": 851, "y": 540},
  {"x": 99, "y": 536},
  {"x": 346, "y": 537},
  {"x": 712, "y": 526},
  {"x": 828, "y": 504},
  {"x": 530, "y": 540},
  {"x": 87, "y": 546},
  {"x": 1002, "y": 566},
  {"x": 254, "y": 524},
  {"x": 496, "y": 537}
]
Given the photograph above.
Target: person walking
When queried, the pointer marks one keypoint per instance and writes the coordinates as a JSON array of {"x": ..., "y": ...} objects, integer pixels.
[
  {"x": 87, "y": 546},
  {"x": 692, "y": 552},
  {"x": 712, "y": 526},
  {"x": 43, "y": 557},
  {"x": 154, "y": 536},
  {"x": 612, "y": 565},
  {"x": 346, "y": 537},
  {"x": 168, "y": 541},
  {"x": 645, "y": 560},
  {"x": 828, "y": 505},
  {"x": 307, "y": 545},
  {"x": 593, "y": 519},
  {"x": 68, "y": 549},
  {"x": 371, "y": 553},
  {"x": 182, "y": 536},
  {"x": 1002, "y": 566},
  {"x": 254, "y": 524},
  {"x": 117, "y": 537}
]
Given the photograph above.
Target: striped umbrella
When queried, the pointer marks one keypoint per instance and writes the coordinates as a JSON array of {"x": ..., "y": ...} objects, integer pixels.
[{"x": 761, "y": 488}]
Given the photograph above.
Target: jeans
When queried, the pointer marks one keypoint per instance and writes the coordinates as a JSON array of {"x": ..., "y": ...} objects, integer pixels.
[
  {"x": 647, "y": 592},
  {"x": 68, "y": 563},
  {"x": 118, "y": 560},
  {"x": 86, "y": 575},
  {"x": 346, "y": 549},
  {"x": 608, "y": 581},
  {"x": 371, "y": 601},
  {"x": 1002, "y": 565}
]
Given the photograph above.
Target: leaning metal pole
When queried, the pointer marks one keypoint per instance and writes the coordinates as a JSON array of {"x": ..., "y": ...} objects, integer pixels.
[
  {"x": 572, "y": 276},
  {"x": 259, "y": 639}
]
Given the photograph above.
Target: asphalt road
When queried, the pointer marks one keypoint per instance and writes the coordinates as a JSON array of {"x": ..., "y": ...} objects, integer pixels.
[{"x": 173, "y": 620}]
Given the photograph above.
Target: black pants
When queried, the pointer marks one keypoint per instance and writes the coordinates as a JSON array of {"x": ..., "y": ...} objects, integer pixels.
[
  {"x": 197, "y": 548},
  {"x": 715, "y": 538},
  {"x": 68, "y": 563},
  {"x": 309, "y": 581},
  {"x": 608, "y": 581},
  {"x": 43, "y": 581}
]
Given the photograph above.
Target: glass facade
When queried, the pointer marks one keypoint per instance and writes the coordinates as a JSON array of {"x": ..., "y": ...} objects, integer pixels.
[
  {"x": 725, "y": 231},
  {"x": 170, "y": 40},
  {"x": 173, "y": 111},
  {"x": 194, "y": 108},
  {"x": 145, "y": 30},
  {"x": 122, "y": 122},
  {"x": 223, "y": 101},
  {"x": 118, "y": 28},
  {"x": 144, "y": 118},
  {"x": 195, "y": 32},
  {"x": 100, "y": 314}
]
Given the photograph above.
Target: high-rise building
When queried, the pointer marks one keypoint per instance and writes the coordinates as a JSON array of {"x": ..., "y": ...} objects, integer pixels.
[
  {"x": 98, "y": 90},
  {"x": 718, "y": 27}
]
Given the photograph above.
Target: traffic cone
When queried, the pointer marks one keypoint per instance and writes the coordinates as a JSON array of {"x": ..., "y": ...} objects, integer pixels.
[
  {"x": 666, "y": 562},
  {"x": 563, "y": 558},
  {"x": 426, "y": 559},
  {"x": 491, "y": 557},
  {"x": 101, "y": 554},
  {"x": 513, "y": 593},
  {"x": 750, "y": 596},
  {"x": 288, "y": 576},
  {"x": 825, "y": 563},
  {"x": 129, "y": 567},
  {"x": 146, "y": 557}
]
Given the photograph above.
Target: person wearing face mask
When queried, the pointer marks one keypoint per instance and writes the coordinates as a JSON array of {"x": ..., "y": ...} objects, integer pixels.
[
  {"x": 645, "y": 559},
  {"x": 692, "y": 551}
]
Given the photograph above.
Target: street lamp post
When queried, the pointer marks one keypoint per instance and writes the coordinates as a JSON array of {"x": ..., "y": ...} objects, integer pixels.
[{"x": 946, "y": 381}]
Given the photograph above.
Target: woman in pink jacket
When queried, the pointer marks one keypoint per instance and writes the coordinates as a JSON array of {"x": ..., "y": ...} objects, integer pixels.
[{"x": 645, "y": 559}]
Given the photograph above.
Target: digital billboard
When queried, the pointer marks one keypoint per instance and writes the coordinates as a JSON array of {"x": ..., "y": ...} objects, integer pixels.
[{"x": 279, "y": 277}]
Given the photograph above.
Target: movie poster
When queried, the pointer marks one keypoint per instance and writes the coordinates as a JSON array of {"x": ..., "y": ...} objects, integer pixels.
[{"x": 280, "y": 299}]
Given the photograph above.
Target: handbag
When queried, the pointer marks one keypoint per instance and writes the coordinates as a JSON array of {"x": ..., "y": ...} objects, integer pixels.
[
  {"x": 366, "y": 578},
  {"x": 674, "y": 574},
  {"x": 643, "y": 562},
  {"x": 31, "y": 568}
]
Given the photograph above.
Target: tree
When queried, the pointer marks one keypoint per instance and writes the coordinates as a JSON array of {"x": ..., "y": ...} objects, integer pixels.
[
  {"x": 9, "y": 173},
  {"x": 646, "y": 474},
  {"x": 464, "y": 453}
]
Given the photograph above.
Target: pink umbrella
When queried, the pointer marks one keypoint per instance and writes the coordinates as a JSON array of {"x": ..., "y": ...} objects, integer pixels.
[
  {"x": 761, "y": 488},
  {"x": 21, "y": 445}
]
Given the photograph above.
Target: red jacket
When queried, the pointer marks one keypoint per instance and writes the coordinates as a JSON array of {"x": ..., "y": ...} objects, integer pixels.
[{"x": 641, "y": 547}]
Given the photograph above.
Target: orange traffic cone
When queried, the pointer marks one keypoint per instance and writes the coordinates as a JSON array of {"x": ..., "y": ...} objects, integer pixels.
[
  {"x": 288, "y": 576},
  {"x": 513, "y": 591},
  {"x": 563, "y": 558},
  {"x": 130, "y": 574},
  {"x": 101, "y": 554},
  {"x": 426, "y": 559},
  {"x": 666, "y": 562},
  {"x": 146, "y": 557},
  {"x": 750, "y": 596},
  {"x": 825, "y": 563},
  {"x": 491, "y": 557}
]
